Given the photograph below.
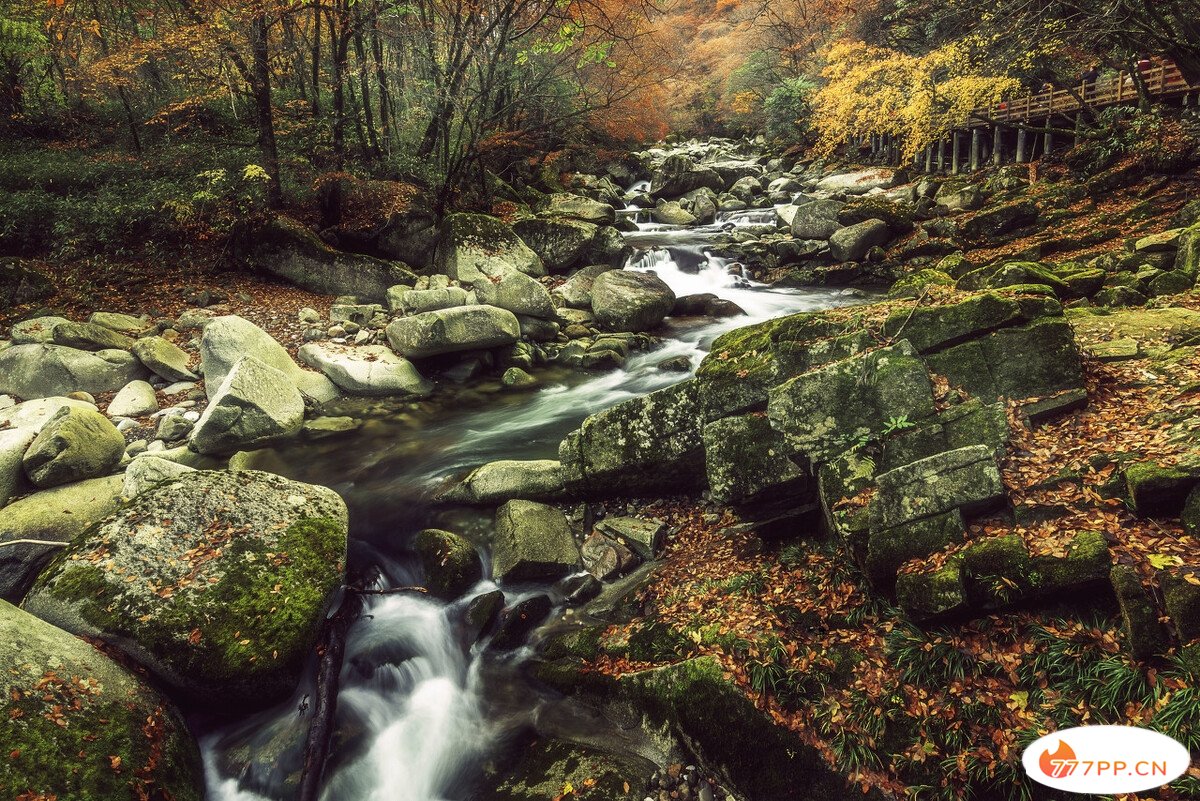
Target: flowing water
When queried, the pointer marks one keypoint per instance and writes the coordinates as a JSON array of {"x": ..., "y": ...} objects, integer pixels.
[{"x": 423, "y": 705}]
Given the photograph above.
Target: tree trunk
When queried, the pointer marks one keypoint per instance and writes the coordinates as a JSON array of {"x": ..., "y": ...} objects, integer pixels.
[{"x": 265, "y": 113}]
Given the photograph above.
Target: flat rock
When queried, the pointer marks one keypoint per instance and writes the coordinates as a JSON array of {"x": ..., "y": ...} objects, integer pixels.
[
  {"x": 255, "y": 405},
  {"x": 453, "y": 330},
  {"x": 368, "y": 370},
  {"x": 164, "y": 358},
  {"x": 135, "y": 399},
  {"x": 227, "y": 339},
  {"x": 40, "y": 371}
]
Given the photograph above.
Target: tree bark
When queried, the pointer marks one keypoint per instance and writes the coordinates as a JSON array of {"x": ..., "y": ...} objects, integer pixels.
[{"x": 264, "y": 111}]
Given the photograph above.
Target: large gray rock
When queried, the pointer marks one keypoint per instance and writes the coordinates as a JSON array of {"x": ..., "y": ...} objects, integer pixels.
[
  {"x": 164, "y": 358},
  {"x": 42, "y": 519},
  {"x": 824, "y": 411},
  {"x": 40, "y": 371},
  {"x": 88, "y": 336},
  {"x": 748, "y": 461},
  {"x": 36, "y": 330},
  {"x": 967, "y": 479},
  {"x": 627, "y": 300},
  {"x": 501, "y": 481},
  {"x": 559, "y": 243},
  {"x": 79, "y": 726},
  {"x": 577, "y": 207},
  {"x": 414, "y": 301},
  {"x": 125, "y": 324},
  {"x": 679, "y": 175},
  {"x": 135, "y": 399},
  {"x": 518, "y": 293},
  {"x": 227, "y": 339},
  {"x": 370, "y": 370},
  {"x": 286, "y": 249},
  {"x": 255, "y": 405},
  {"x": 671, "y": 212},
  {"x": 453, "y": 330},
  {"x": 13, "y": 444},
  {"x": 32, "y": 415},
  {"x": 576, "y": 291},
  {"x": 410, "y": 236},
  {"x": 216, "y": 582},
  {"x": 74, "y": 445},
  {"x": 475, "y": 246},
  {"x": 533, "y": 542},
  {"x": 816, "y": 219},
  {"x": 857, "y": 183},
  {"x": 852, "y": 242},
  {"x": 148, "y": 471}
]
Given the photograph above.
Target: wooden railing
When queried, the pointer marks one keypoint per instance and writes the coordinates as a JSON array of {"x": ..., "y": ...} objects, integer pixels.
[{"x": 1162, "y": 81}]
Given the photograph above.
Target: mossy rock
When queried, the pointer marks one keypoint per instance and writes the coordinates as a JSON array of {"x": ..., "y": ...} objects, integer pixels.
[
  {"x": 1156, "y": 491},
  {"x": 956, "y": 265},
  {"x": 217, "y": 582},
  {"x": 550, "y": 769},
  {"x": 1140, "y": 628},
  {"x": 1181, "y": 597},
  {"x": 748, "y": 461},
  {"x": 913, "y": 285},
  {"x": 1119, "y": 296},
  {"x": 932, "y": 594},
  {"x": 888, "y": 549},
  {"x": 997, "y": 571},
  {"x": 1023, "y": 273},
  {"x": 1086, "y": 564},
  {"x": 78, "y": 726},
  {"x": 450, "y": 563}
]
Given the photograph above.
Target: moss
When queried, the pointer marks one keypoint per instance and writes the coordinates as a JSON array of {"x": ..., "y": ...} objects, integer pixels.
[
  {"x": 888, "y": 549},
  {"x": 932, "y": 594},
  {"x": 582, "y": 644},
  {"x": 911, "y": 286},
  {"x": 1087, "y": 562},
  {"x": 997, "y": 571},
  {"x": 1139, "y": 616},
  {"x": 1156, "y": 490},
  {"x": 450, "y": 563},
  {"x": 1181, "y": 598},
  {"x": 547, "y": 767},
  {"x": 931, "y": 328}
]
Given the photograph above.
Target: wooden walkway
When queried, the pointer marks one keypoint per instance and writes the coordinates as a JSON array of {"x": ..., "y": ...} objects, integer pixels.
[{"x": 1163, "y": 81}]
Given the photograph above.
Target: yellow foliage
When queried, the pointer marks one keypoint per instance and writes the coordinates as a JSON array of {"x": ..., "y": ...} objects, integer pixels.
[{"x": 919, "y": 99}]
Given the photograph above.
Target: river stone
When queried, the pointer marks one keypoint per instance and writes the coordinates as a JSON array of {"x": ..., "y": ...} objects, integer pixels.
[
  {"x": 852, "y": 242},
  {"x": 646, "y": 444},
  {"x": 135, "y": 399},
  {"x": 287, "y": 249},
  {"x": 670, "y": 212},
  {"x": 40, "y": 371},
  {"x": 748, "y": 461},
  {"x": 823, "y": 411},
  {"x": 627, "y": 300},
  {"x": 577, "y": 207},
  {"x": 121, "y": 323},
  {"x": 473, "y": 247},
  {"x": 370, "y": 370},
  {"x": 32, "y": 415},
  {"x": 54, "y": 515},
  {"x": 559, "y": 243},
  {"x": 79, "y": 726},
  {"x": 255, "y": 405},
  {"x": 13, "y": 444},
  {"x": 533, "y": 542},
  {"x": 501, "y": 481},
  {"x": 36, "y": 331},
  {"x": 967, "y": 479},
  {"x": 217, "y": 582},
  {"x": 816, "y": 219},
  {"x": 453, "y": 330},
  {"x": 164, "y": 358},
  {"x": 227, "y": 339},
  {"x": 414, "y": 301},
  {"x": 679, "y": 175},
  {"x": 450, "y": 564},
  {"x": 147, "y": 471},
  {"x": 88, "y": 336},
  {"x": 576, "y": 291},
  {"x": 74, "y": 445},
  {"x": 608, "y": 247},
  {"x": 857, "y": 183},
  {"x": 517, "y": 293},
  {"x": 643, "y": 537}
]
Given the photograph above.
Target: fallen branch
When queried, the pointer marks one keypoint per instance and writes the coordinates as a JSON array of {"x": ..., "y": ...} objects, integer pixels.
[
  {"x": 392, "y": 591},
  {"x": 51, "y": 543}
]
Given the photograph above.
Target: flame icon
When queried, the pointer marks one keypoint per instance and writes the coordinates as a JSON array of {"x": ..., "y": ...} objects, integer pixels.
[{"x": 1059, "y": 764}]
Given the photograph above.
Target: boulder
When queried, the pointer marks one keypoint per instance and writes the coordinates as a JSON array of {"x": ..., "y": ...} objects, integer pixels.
[
  {"x": 55, "y": 515},
  {"x": 533, "y": 542},
  {"x": 450, "y": 564},
  {"x": 577, "y": 207},
  {"x": 475, "y": 246},
  {"x": 79, "y": 726},
  {"x": 852, "y": 242},
  {"x": 32, "y": 415},
  {"x": 135, "y": 399},
  {"x": 670, "y": 212},
  {"x": 40, "y": 371},
  {"x": 576, "y": 291},
  {"x": 609, "y": 247},
  {"x": 501, "y": 481},
  {"x": 888, "y": 549},
  {"x": 647, "y": 444},
  {"x": 643, "y": 537},
  {"x": 546, "y": 766},
  {"x": 148, "y": 471},
  {"x": 965, "y": 479},
  {"x": 36, "y": 330},
  {"x": 816, "y": 219},
  {"x": 73, "y": 445},
  {"x": 164, "y": 358},
  {"x": 679, "y": 175},
  {"x": 227, "y": 339},
  {"x": 88, "y": 336},
  {"x": 367, "y": 370},
  {"x": 453, "y": 330},
  {"x": 748, "y": 461},
  {"x": 857, "y": 183},
  {"x": 255, "y": 405},
  {"x": 1140, "y": 627},
  {"x": 410, "y": 236},
  {"x": 517, "y": 293},
  {"x": 125, "y": 324},
  {"x": 559, "y": 243},
  {"x": 627, "y": 300},
  {"x": 414, "y": 301},
  {"x": 999, "y": 220},
  {"x": 286, "y": 249},
  {"x": 216, "y": 582},
  {"x": 824, "y": 411},
  {"x": 21, "y": 283},
  {"x": 13, "y": 444}
]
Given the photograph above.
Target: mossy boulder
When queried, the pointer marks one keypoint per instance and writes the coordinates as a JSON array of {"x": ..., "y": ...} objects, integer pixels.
[
  {"x": 897, "y": 215},
  {"x": 88, "y": 336},
  {"x": 997, "y": 571},
  {"x": 559, "y": 243},
  {"x": 1181, "y": 597},
  {"x": 553, "y": 768},
  {"x": 889, "y": 548},
  {"x": 450, "y": 563},
  {"x": 74, "y": 445},
  {"x": 217, "y": 582},
  {"x": 748, "y": 461},
  {"x": 911, "y": 286},
  {"x": 1087, "y": 563},
  {"x": 933, "y": 328},
  {"x": 967, "y": 479},
  {"x": 475, "y": 247},
  {"x": 1021, "y": 273},
  {"x": 1119, "y": 296},
  {"x": 78, "y": 726},
  {"x": 533, "y": 541},
  {"x": 932, "y": 594},
  {"x": 997, "y": 221},
  {"x": 1140, "y": 628},
  {"x": 824, "y": 411},
  {"x": 1155, "y": 490},
  {"x": 497, "y": 482}
]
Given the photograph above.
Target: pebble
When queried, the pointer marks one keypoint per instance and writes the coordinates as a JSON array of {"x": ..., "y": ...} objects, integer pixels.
[
  {"x": 178, "y": 387},
  {"x": 335, "y": 331},
  {"x": 86, "y": 397},
  {"x": 136, "y": 447},
  {"x": 125, "y": 424},
  {"x": 156, "y": 446}
]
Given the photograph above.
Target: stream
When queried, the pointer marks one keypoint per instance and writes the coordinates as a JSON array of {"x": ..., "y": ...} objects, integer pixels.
[{"x": 423, "y": 707}]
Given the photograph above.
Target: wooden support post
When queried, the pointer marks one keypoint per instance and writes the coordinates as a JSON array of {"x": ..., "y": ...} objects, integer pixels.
[
  {"x": 997, "y": 146},
  {"x": 956, "y": 158},
  {"x": 929, "y": 158},
  {"x": 1047, "y": 140},
  {"x": 941, "y": 155},
  {"x": 1022, "y": 146},
  {"x": 976, "y": 149},
  {"x": 1078, "y": 129}
]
